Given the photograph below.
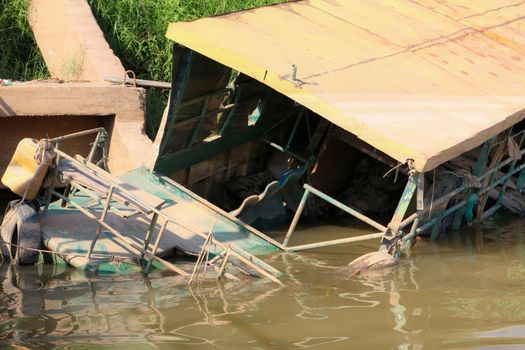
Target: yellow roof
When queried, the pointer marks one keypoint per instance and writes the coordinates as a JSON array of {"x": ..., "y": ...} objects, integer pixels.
[{"x": 425, "y": 80}]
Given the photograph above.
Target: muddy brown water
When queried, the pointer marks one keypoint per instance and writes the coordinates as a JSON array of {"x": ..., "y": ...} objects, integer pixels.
[{"x": 463, "y": 292}]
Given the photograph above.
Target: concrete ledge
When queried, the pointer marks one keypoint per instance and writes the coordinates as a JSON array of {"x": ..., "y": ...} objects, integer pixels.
[
  {"x": 123, "y": 106},
  {"x": 71, "y": 41}
]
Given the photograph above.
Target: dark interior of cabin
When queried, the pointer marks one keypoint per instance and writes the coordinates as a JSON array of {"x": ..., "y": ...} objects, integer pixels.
[{"x": 250, "y": 149}]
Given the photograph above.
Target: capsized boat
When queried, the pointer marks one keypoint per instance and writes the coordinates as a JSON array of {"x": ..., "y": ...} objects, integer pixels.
[{"x": 108, "y": 224}]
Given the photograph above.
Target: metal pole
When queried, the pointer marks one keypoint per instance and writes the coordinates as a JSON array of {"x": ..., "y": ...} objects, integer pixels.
[
  {"x": 223, "y": 264},
  {"x": 77, "y": 134},
  {"x": 156, "y": 246},
  {"x": 102, "y": 218},
  {"x": 91, "y": 154},
  {"x": 200, "y": 259},
  {"x": 336, "y": 242},
  {"x": 125, "y": 241},
  {"x": 151, "y": 228},
  {"x": 296, "y": 217},
  {"x": 345, "y": 208}
]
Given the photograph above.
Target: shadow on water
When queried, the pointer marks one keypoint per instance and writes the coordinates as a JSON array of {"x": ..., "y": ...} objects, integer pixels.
[{"x": 464, "y": 292}]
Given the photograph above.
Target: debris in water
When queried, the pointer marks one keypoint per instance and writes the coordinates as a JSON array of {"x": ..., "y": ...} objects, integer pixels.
[{"x": 372, "y": 261}]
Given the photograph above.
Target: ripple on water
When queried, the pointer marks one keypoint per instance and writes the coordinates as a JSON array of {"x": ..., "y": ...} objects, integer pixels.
[{"x": 463, "y": 293}]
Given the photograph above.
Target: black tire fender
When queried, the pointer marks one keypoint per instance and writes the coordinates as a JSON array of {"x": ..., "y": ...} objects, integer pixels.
[{"x": 21, "y": 229}]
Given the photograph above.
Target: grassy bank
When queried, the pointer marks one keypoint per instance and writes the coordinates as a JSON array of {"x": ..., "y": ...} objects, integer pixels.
[
  {"x": 20, "y": 58},
  {"x": 136, "y": 30}
]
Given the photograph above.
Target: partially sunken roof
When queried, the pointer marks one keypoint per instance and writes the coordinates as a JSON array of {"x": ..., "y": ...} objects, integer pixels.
[{"x": 417, "y": 79}]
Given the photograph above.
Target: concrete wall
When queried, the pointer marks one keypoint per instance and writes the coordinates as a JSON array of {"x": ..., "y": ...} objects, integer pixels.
[{"x": 87, "y": 105}]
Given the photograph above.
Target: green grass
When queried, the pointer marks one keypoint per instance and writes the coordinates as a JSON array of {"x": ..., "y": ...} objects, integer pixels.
[
  {"x": 135, "y": 30},
  {"x": 20, "y": 58}
]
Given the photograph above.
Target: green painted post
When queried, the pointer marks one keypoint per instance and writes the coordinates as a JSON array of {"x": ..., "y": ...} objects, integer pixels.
[
  {"x": 404, "y": 202},
  {"x": 399, "y": 214}
]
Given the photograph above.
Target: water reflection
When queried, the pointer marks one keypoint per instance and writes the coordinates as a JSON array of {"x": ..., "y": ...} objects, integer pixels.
[{"x": 462, "y": 292}]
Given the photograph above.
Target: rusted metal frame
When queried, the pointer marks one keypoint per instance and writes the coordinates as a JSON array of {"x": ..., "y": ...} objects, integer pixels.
[
  {"x": 458, "y": 190},
  {"x": 232, "y": 111},
  {"x": 476, "y": 171},
  {"x": 394, "y": 227},
  {"x": 464, "y": 202},
  {"x": 239, "y": 253},
  {"x": 309, "y": 189},
  {"x": 102, "y": 219},
  {"x": 197, "y": 128},
  {"x": 125, "y": 241}
]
